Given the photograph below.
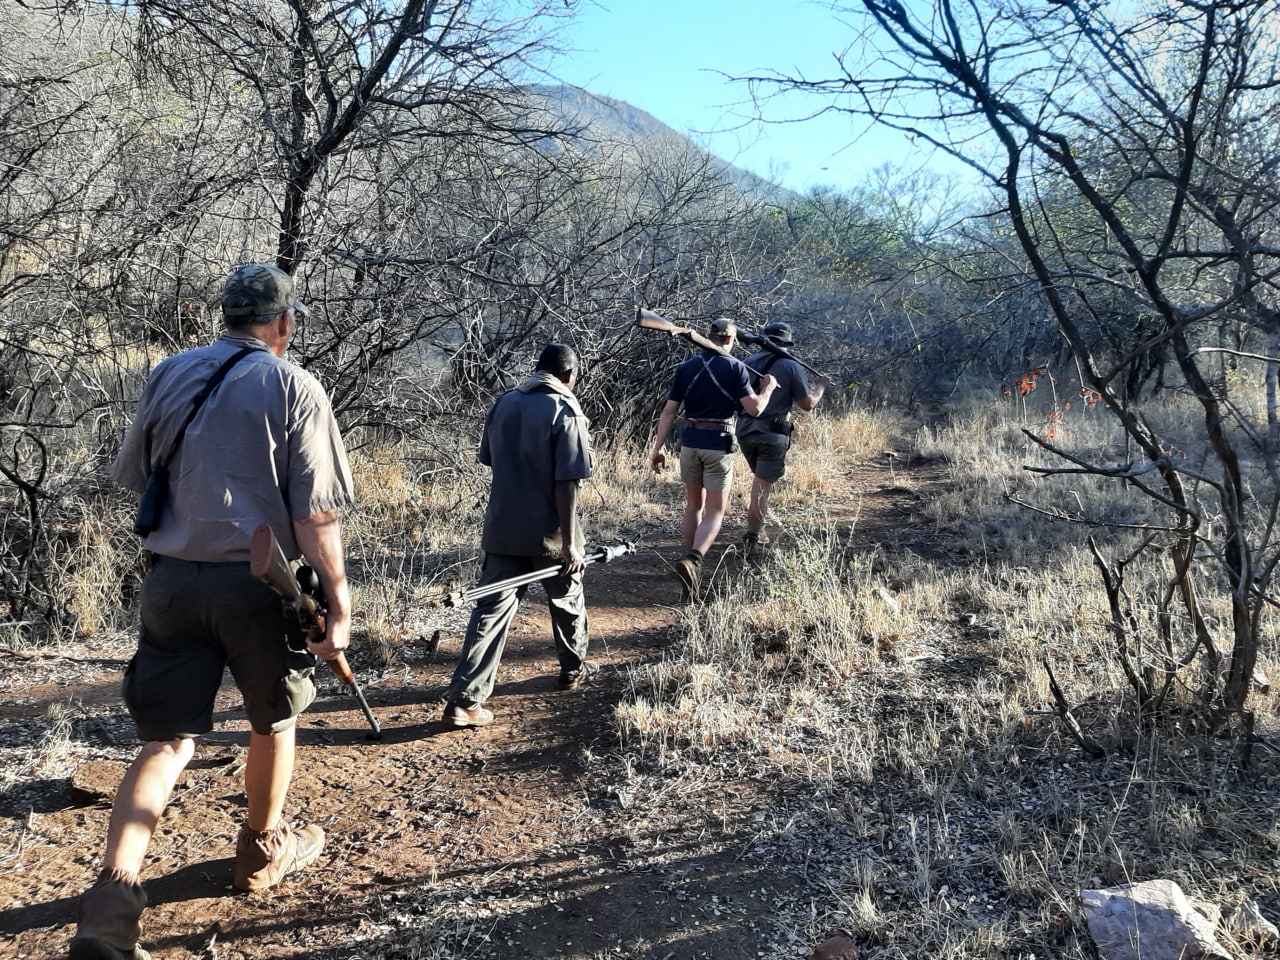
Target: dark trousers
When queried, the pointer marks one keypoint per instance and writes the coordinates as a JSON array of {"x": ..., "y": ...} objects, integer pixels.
[{"x": 487, "y": 631}]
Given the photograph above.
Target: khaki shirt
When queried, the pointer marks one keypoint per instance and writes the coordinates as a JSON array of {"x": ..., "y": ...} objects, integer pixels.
[
  {"x": 264, "y": 448},
  {"x": 534, "y": 437}
]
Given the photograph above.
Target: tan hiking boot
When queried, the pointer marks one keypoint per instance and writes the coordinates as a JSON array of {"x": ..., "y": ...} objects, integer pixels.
[
  {"x": 265, "y": 857},
  {"x": 465, "y": 713},
  {"x": 110, "y": 917},
  {"x": 688, "y": 573}
]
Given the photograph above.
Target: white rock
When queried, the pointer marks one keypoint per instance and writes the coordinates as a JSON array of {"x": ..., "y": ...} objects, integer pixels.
[
  {"x": 1247, "y": 924},
  {"x": 1151, "y": 920}
]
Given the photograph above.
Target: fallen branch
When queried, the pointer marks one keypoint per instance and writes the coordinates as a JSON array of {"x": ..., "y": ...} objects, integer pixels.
[{"x": 1069, "y": 720}]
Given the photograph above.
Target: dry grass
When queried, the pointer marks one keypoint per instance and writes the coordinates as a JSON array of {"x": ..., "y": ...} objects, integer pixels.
[
  {"x": 618, "y": 498},
  {"x": 94, "y": 563},
  {"x": 901, "y": 708},
  {"x": 826, "y": 445},
  {"x": 415, "y": 499}
]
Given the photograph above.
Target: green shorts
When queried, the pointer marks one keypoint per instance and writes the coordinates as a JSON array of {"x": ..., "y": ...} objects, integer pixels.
[
  {"x": 198, "y": 618},
  {"x": 710, "y": 469},
  {"x": 766, "y": 454}
]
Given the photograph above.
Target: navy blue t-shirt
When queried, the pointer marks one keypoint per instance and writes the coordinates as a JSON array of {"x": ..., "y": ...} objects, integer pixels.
[{"x": 710, "y": 385}]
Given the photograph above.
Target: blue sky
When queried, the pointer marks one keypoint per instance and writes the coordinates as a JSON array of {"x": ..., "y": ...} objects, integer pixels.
[{"x": 667, "y": 57}]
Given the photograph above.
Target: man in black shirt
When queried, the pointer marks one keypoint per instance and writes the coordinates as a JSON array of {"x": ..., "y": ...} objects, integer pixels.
[{"x": 765, "y": 439}]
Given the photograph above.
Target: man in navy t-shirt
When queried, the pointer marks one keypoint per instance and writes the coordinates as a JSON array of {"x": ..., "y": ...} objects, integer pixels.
[{"x": 713, "y": 387}]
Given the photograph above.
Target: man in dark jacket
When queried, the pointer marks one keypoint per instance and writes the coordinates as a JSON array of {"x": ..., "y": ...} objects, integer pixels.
[
  {"x": 537, "y": 443},
  {"x": 712, "y": 387},
  {"x": 765, "y": 438}
]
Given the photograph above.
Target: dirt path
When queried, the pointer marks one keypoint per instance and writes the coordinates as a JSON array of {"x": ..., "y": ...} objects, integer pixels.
[{"x": 523, "y": 839}]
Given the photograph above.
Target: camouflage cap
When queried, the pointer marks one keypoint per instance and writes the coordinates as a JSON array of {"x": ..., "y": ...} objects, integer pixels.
[
  {"x": 258, "y": 290},
  {"x": 721, "y": 327}
]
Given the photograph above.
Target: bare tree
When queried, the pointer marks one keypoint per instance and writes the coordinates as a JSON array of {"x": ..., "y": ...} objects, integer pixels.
[{"x": 1135, "y": 159}]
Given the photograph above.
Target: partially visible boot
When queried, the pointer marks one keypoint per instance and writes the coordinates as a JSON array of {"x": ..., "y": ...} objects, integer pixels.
[
  {"x": 109, "y": 921},
  {"x": 572, "y": 679},
  {"x": 688, "y": 571},
  {"x": 265, "y": 857},
  {"x": 755, "y": 545}
]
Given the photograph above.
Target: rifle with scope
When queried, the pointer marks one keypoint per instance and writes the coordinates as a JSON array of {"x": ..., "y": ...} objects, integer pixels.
[{"x": 764, "y": 343}]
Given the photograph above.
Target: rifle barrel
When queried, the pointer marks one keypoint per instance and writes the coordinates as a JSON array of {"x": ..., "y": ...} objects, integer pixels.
[
  {"x": 375, "y": 727},
  {"x": 763, "y": 341},
  {"x": 601, "y": 555}
]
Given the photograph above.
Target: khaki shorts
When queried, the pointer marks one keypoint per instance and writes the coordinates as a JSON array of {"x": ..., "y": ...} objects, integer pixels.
[
  {"x": 710, "y": 469},
  {"x": 198, "y": 618},
  {"x": 766, "y": 454}
]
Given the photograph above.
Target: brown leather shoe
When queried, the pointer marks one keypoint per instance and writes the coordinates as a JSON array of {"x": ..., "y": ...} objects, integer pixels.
[
  {"x": 110, "y": 917},
  {"x": 265, "y": 857},
  {"x": 688, "y": 573},
  {"x": 569, "y": 679},
  {"x": 458, "y": 715}
]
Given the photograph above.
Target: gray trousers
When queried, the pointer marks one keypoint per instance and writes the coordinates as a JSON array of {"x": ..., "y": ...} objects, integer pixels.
[{"x": 487, "y": 631}]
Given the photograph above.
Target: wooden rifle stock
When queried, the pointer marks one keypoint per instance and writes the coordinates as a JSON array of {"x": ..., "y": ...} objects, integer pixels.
[
  {"x": 652, "y": 321},
  {"x": 267, "y": 562}
]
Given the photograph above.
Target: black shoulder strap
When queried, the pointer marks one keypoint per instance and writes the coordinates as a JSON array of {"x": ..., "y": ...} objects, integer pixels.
[{"x": 205, "y": 392}]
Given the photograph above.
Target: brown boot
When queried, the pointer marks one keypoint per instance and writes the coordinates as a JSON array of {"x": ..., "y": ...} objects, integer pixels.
[
  {"x": 265, "y": 857},
  {"x": 109, "y": 921}
]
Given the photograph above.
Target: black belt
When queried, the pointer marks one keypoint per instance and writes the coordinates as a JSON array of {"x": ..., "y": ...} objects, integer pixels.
[{"x": 710, "y": 424}]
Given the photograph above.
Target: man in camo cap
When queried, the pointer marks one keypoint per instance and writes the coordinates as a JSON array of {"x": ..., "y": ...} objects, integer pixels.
[
  {"x": 263, "y": 446},
  {"x": 713, "y": 388}
]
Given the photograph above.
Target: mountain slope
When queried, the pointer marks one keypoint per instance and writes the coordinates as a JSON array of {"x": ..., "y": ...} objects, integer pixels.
[{"x": 606, "y": 120}]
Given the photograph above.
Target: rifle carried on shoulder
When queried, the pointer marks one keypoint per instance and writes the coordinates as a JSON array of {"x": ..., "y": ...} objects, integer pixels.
[
  {"x": 601, "y": 555},
  {"x": 760, "y": 340},
  {"x": 301, "y": 596},
  {"x": 652, "y": 321}
]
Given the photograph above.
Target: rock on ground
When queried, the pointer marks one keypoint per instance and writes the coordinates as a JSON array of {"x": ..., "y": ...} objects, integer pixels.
[
  {"x": 1247, "y": 924},
  {"x": 1152, "y": 920},
  {"x": 836, "y": 948}
]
